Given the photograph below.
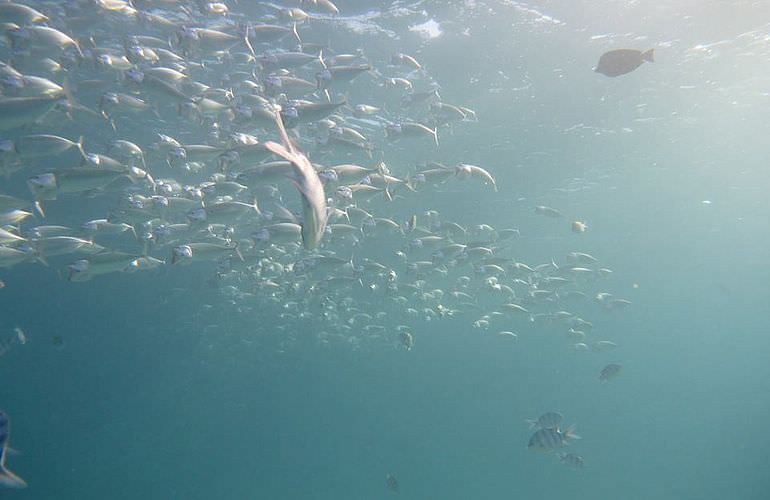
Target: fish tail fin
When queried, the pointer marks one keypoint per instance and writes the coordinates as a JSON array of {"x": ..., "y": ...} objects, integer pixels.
[
  {"x": 41, "y": 258},
  {"x": 435, "y": 135},
  {"x": 39, "y": 208},
  {"x": 569, "y": 433},
  {"x": 648, "y": 56},
  {"x": 295, "y": 32},
  {"x": 532, "y": 423},
  {"x": 10, "y": 480},
  {"x": 248, "y": 42},
  {"x": 79, "y": 145},
  {"x": 72, "y": 103}
]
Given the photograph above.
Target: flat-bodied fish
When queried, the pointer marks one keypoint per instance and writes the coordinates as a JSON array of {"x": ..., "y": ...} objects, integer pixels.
[
  {"x": 571, "y": 460},
  {"x": 609, "y": 372},
  {"x": 548, "y": 420},
  {"x": 547, "y": 440},
  {"x": 38, "y": 145},
  {"x": 621, "y": 61},
  {"x": 7, "y": 478}
]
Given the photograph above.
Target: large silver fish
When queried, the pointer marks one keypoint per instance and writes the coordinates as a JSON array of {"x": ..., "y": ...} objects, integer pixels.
[{"x": 308, "y": 183}]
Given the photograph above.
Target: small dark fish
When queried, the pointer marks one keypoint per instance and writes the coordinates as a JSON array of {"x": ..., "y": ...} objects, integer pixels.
[
  {"x": 609, "y": 372},
  {"x": 58, "y": 341},
  {"x": 411, "y": 224},
  {"x": 546, "y": 440},
  {"x": 392, "y": 483},
  {"x": 621, "y": 61},
  {"x": 571, "y": 460},
  {"x": 407, "y": 340},
  {"x": 7, "y": 478}
]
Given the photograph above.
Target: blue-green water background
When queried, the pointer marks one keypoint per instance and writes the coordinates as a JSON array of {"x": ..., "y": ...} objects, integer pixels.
[{"x": 143, "y": 402}]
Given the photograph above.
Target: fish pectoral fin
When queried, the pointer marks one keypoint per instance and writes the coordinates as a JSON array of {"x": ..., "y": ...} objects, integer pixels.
[
  {"x": 11, "y": 480},
  {"x": 281, "y": 150}
]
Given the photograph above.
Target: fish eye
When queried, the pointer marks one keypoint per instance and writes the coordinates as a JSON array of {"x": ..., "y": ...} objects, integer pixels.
[
  {"x": 273, "y": 80},
  {"x": 183, "y": 251},
  {"x": 135, "y": 75},
  {"x": 345, "y": 192},
  {"x": 329, "y": 175},
  {"x": 243, "y": 110},
  {"x": 289, "y": 112}
]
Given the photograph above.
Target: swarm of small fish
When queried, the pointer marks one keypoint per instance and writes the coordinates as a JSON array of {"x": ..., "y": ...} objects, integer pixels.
[{"x": 228, "y": 139}]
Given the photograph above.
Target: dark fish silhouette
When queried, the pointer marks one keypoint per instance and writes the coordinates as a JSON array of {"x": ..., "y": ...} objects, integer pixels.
[
  {"x": 392, "y": 483},
  {"x": 621, "y": 61},
  {"x": 609, "y": 372}
]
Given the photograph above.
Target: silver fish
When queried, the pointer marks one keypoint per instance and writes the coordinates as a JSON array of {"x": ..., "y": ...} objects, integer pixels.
[
  {"x": 308, "y": 183},
  {"x": 7, "y": 478}
]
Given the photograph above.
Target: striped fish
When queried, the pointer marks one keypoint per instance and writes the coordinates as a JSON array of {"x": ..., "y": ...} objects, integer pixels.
[
  {"x": 571, "y": 460},
  {"x": 7, "y": 478},
  {"x": 547, "y": 440},
  {"x": 548, "y": 420}
]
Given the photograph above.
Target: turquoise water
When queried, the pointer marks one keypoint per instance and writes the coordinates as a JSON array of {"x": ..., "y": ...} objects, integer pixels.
[{"x": 167, "y": 387}]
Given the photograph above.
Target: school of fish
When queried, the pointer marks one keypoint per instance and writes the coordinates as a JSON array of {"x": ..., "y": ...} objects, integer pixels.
[{"x": 230, "y": 140}]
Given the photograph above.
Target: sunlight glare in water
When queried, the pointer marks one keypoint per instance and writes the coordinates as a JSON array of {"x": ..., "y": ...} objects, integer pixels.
[{"x": 428, "y": 30}]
